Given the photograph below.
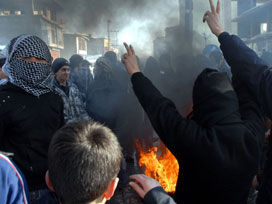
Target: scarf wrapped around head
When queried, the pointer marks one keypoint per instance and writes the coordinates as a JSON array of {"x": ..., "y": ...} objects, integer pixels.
[
  {"x": 33, "y": 77},
  {"x": 103, "y": 69}
]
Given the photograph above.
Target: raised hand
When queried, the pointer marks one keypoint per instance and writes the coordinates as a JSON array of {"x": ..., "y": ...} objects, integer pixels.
[
  {"x": 213, "y": 19},
  {"x": 130, "y": 60}
]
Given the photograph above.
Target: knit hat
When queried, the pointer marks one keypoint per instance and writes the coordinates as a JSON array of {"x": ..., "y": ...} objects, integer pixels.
[{"x": 58, "y": 64}]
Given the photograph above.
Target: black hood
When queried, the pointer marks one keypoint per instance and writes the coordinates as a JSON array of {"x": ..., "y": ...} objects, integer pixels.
[{"x": 213, "y": 98}]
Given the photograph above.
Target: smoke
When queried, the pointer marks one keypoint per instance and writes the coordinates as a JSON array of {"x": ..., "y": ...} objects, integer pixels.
[{"x": 139, "y": 22}]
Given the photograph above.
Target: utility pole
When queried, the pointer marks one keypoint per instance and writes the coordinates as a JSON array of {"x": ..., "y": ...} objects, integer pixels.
[
  {"x": 109, "y": 22},
  {"x": 189, "y": 6},
  {"x": 33, "y": 7},
  {"x": 116, "y": 37}
]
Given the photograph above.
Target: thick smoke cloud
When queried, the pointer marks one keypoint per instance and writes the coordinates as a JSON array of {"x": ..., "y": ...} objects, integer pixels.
[{"x": 139, "y": 21}]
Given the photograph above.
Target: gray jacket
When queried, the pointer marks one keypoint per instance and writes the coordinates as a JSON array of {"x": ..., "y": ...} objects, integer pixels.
[{"x": 74, "y": 109}]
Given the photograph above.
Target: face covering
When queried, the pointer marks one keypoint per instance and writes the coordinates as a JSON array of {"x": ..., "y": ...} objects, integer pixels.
[{"x": 33, "y": 77}]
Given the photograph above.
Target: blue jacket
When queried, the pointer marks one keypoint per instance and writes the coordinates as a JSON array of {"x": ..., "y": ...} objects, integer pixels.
[
  {"x": 256, "y": 77},
  {"x": 249, "y": 69},
  {"x": 13, "y": 187}
]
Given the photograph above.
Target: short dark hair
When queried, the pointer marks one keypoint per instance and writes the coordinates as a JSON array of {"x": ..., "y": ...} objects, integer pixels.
[
  {"x": 84, "y": 157},
  {"x": 75, "y": 60}
]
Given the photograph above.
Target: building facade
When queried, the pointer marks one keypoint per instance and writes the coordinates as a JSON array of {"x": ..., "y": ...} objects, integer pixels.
[
  {"x": 254, "y": 21},
  {"x": 36, "y": 17},
  {"x": 75, "y": 43}
]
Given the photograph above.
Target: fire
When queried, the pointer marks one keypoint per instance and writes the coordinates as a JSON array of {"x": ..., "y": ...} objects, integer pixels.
[{"x": 164, "y": 168}]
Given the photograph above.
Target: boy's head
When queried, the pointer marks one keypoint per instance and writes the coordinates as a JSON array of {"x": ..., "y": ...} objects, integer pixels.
[{"x": 84, "y": 159}]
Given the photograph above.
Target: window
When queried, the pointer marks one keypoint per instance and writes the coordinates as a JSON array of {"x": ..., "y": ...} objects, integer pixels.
[
  {"x": 263, "y": 27},
  {"x": 4, "y": 13},
  {"x": 48, "y": 13},
  {"x": 54, "y": 40},
  {"x": 36, "y": 12},
  {"x": 81, "y": 44},
  {"x": 17, "y": 12}
]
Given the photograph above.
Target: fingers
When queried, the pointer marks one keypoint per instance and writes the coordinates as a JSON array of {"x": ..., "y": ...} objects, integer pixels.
[
  {"x": 212, "y": 6},
  {"x": 138, "y": 189},
  {"x": 132, "y": 49},
  {"x": 128, "y": 49},
  {"x": 206, "y": 16},
  {"x": 218, "y": 7},
  {"x": 124, "y": 58},
  {"x": 139, "y": 178}
]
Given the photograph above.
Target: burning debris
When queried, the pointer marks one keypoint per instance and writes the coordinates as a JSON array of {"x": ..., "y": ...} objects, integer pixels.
[{"x": 160, "y": 164}]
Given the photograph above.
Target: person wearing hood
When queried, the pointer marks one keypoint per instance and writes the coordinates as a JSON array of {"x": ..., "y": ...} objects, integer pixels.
[
  {"x": 218, "y": 149},
  {"x": 80, "y": 74},
  {"x": 254, "y": 75},
  {"x": 30, "y": 111}
]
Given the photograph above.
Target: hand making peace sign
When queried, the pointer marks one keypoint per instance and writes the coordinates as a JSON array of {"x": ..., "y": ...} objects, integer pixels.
[
  {"x": 130, "y": 60},
  {"x": 213, "y": 18}
]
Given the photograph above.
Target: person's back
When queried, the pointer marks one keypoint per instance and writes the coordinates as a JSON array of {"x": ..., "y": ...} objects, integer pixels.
[
  {"x": 84, "y": 160},
  {"x": 218, "y": 150},
  {"x": 105, "y": 96},
  {"x": 30, "y": 112}
]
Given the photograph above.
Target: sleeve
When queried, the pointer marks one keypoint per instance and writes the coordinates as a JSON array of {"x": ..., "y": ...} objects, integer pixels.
[
  {"x": 82, "y": 113},
  {"x": 158, "y": 196},
  {"x": 171, "y": 127},
  {"x": 13, "y": 187},
  {"x": 249, "y": 69}
]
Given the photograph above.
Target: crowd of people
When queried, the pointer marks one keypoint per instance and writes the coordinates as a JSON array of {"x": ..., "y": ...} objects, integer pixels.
[{"x": 66, "y": 133}]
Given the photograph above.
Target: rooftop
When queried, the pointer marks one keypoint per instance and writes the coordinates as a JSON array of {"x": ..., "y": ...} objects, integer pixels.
[{"x": 258, "y": 10}]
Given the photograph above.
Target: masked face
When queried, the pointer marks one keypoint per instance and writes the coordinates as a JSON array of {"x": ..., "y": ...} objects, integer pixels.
[
  {"x": 28, "y": 64},
  {"x": 31, "y": 70}
]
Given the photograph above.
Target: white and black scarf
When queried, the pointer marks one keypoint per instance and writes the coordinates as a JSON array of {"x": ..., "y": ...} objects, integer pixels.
[{"x": 33, "y": 77}]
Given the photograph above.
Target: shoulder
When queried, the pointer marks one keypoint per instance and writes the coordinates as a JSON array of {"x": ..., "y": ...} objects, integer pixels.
[{"x": 15, "y": 182}]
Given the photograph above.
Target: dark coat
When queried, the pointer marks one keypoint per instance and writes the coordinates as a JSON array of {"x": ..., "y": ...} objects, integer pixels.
[
  {"x": 27, "y": 124},
  {"x": 255, "y": 76},
  {"x": 158, "y": 196},
  {"x": 249, "y": 69},
  {"x": 219, "y": 150}
]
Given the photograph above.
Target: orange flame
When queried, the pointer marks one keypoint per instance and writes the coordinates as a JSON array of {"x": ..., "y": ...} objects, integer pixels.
[{"x": 164, "y": 168}]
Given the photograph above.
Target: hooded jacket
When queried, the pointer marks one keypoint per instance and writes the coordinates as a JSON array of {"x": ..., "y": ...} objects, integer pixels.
[
  {"x": 218, "y": 150},
  {"x": 254, "y": 75}
]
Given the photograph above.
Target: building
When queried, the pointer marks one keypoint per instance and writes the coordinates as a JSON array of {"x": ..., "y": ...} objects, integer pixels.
[
  {"x": 75, "y": 43},
  {"x": 98, "y": 46},
  {"x": 36, "y": 17},
  {"x": 254, "y": 21}
]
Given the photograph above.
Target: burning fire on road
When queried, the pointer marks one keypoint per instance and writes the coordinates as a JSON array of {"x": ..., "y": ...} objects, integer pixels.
[{"x": 160, "y": 164}]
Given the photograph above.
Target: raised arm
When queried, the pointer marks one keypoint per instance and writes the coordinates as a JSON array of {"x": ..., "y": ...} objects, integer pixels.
[
  {"x": 245, "y": 64},
  {"x": 176, "y": 132}
]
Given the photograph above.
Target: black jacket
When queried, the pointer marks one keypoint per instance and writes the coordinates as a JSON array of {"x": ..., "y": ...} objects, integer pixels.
[
  {"x": 249, "y": 69},
  {"x": 27, "y": 124},
  {"x": 218, "y": 151},
  {"x": 158, "y": 196},
  {"x": 254, "y": 75}
]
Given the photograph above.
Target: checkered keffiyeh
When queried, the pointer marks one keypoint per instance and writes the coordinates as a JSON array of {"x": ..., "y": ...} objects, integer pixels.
[
  {"x": 102, "y": 68},
  {"x": 33, "y": 77}
]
